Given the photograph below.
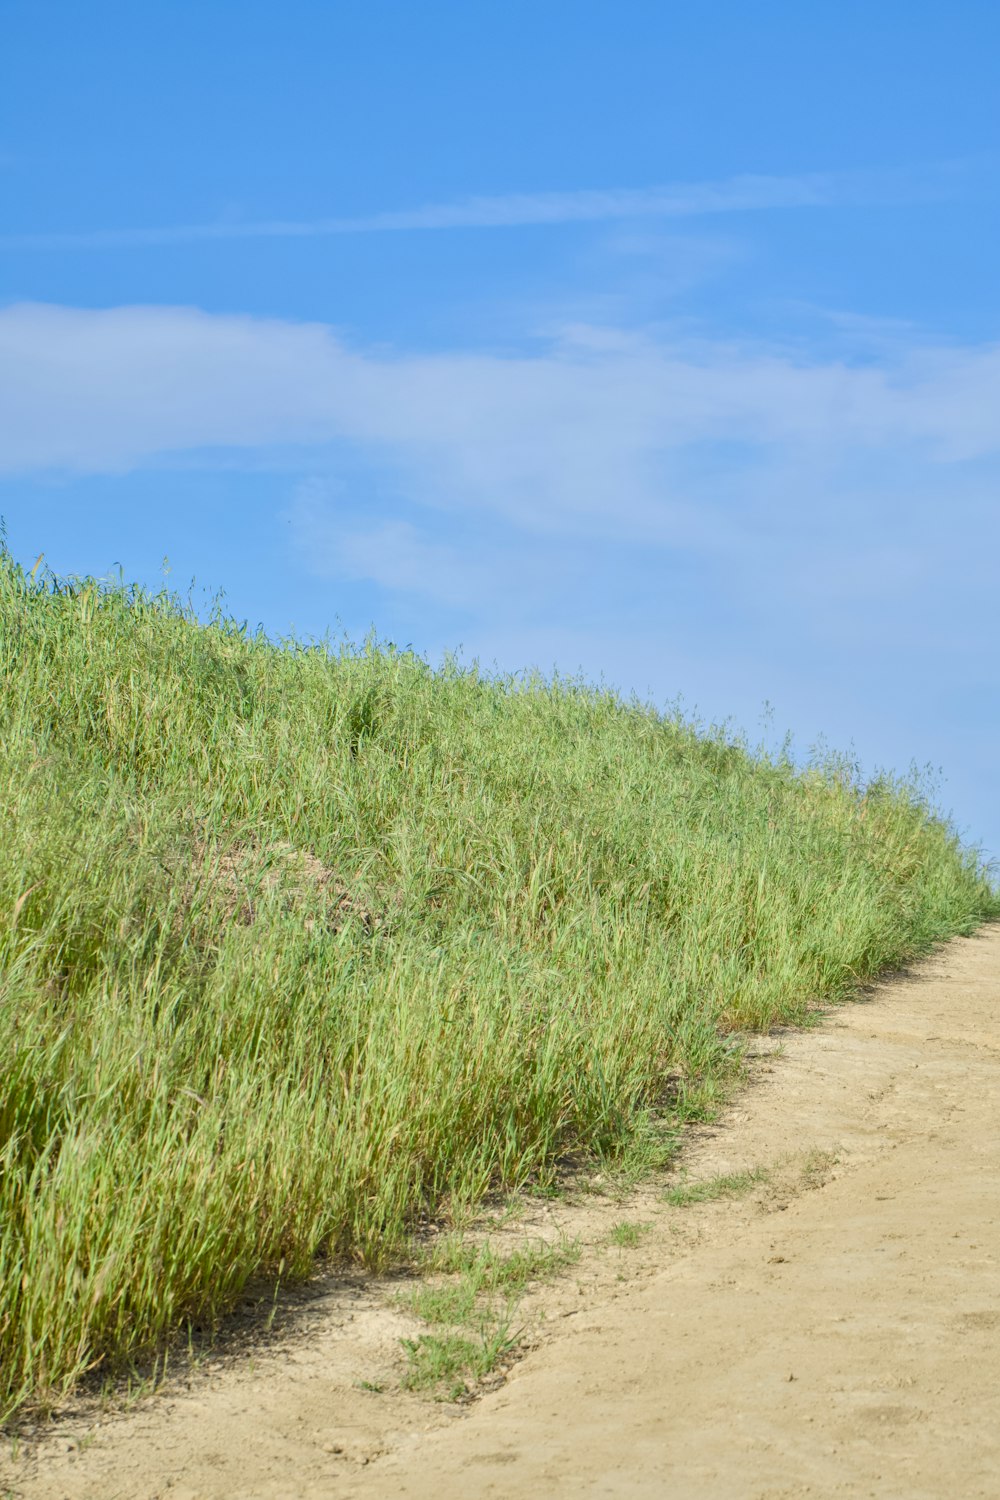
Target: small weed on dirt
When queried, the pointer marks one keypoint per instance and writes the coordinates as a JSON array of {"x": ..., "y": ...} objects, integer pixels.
[
  {"x": 451, "y": 1364},
  {"x": 627, "y": 1235},
  {"x": 726, "y": 1185},
  {"x": 817, "y": 1168},
  {"x": 482, "y": 1289}
]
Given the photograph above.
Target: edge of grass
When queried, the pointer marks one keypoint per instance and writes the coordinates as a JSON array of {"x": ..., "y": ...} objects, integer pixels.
[{"x": 302, "y": 944}]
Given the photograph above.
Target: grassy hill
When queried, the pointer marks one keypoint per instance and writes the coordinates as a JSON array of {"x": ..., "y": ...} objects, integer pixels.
[{"x": 299, "y": 945}]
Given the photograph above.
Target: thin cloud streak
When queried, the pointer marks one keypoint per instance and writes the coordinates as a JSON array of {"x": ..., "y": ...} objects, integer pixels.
[{"x": 742, "y": 194}]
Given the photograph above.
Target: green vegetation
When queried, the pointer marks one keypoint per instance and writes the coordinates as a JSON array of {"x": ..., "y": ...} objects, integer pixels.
[
  {"x": 628, "y": 1233},
  {"x": 451, "y": 1363},
  {"x": 727, "y": 1185},
  {"x": 485, "y": 1272},
  {"x": 481, "y": 1292},
  {"x": 299, "y": 946}
]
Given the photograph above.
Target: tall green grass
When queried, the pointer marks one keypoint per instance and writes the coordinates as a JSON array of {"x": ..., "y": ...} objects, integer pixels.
[{"x": 297, "y": 945}]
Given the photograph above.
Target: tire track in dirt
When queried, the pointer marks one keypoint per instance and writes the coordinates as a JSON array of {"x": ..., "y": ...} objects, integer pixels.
[{"x": 837, "y": 1333}]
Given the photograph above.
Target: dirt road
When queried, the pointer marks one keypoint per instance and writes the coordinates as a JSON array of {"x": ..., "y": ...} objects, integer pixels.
[{"x": 835, "y": 1333}]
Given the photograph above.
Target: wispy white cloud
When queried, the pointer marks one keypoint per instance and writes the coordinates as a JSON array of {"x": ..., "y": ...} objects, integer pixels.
[
  {"x": 746, "y": 193},
  {"x": 473, "y": 474},
  {"x": 594, "y": 428},
  {"x": 391, "y": 553},
  {"x": 441, "y": 559}
]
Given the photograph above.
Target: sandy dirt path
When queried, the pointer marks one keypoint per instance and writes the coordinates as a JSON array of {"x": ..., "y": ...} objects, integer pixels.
[{"x": 835, "y": 1333}]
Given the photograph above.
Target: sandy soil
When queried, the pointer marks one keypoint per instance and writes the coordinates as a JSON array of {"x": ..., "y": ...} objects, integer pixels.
[{"x": 835, "y": 1332}]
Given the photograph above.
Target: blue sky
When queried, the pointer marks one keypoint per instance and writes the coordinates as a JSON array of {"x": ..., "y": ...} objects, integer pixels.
[{"x": 659, "y": 342}]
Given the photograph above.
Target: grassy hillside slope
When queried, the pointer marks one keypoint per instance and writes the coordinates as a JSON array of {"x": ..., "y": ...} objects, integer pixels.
[{"x": 297, "y": 945}]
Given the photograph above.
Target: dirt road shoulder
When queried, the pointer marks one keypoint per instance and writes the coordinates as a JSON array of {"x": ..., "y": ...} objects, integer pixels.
[{"x": 830, "y": 1330}]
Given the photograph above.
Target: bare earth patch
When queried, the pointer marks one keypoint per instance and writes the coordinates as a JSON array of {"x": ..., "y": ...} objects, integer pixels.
[{"x": 807, "y": 1305}]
